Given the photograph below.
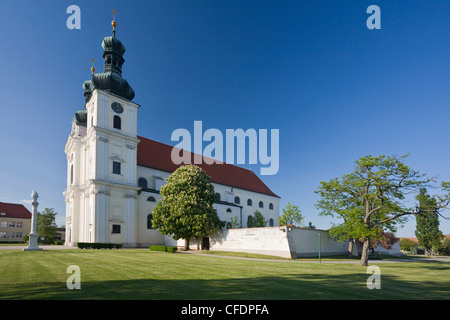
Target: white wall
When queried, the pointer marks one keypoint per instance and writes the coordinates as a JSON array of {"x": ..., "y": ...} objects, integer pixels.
[
  {"x": 268, "y": 240},
  {"x": 305, "y": 242},
  {"x": 284, "y": 241}
]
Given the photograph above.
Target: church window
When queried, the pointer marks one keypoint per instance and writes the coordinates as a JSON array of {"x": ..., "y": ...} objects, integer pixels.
[
  {"x": 151, "y": 199},
  {"x": 237, "y": 200},
  {"x": 217, "y": 196},
  {"x": 149, "y": 221},
  {"x": 228, "y": 210},
  {"x": 108, "y": 60},
  {"x": 271, "y": 222},
  {"x": 261, "y": 204},
  {"x": 271, "y": 206},
  {"x": 249, "y": 202},
  {"x": 142, "y": 182},
  {"x": 116, "y": 228},
  {"x": 229, "y": 225},
  {"x": 116, "y": 167},
  {"x": 117, "y": 122},
  {"x": 71, "y": 174}
]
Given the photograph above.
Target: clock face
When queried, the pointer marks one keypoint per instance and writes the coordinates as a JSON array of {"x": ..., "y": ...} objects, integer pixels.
[{"x": 117, "y": 107}]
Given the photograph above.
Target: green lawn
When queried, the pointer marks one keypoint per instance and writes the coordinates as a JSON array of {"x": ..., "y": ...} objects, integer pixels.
[{"x": 145, "y": 274}]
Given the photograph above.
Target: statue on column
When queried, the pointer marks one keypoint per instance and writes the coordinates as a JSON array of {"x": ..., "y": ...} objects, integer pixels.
[{"x": 33, "y": 236}]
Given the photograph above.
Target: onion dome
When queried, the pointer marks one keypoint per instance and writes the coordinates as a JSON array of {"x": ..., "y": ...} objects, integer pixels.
[
  {"x": 80, "y": 118},
  {"x": 111, "y": 79}
]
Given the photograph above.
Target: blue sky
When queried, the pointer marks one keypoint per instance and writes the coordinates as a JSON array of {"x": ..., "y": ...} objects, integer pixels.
[{"x": 336, "y": 90}]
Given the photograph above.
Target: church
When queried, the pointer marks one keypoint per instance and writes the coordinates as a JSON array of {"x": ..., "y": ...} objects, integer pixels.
[{"x": 114, "y": 175}]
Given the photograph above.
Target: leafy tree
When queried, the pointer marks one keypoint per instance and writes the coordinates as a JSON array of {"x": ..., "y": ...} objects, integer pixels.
[
  {"x": 186, "y": 209},
  {"x": 291, "y": 215},
  {"x": 427, "y": 224},
  {"x": 310, "y": 225},
  {"x": 46, "y": 225},
  {"x": 234, "y": 223},
  {"x": 408, "y": 244},
  {"x": 373, "y": 199},
  {"x": 250, "y": 221},
  {"x": 256, "y": 221},
  {"x": 444, "y": 247},
  {"x": 387, "y": 240}
]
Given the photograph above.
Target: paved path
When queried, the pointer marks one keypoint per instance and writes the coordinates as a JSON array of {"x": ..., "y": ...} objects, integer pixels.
[
  {"x": 45, "y": 247},
  {"x": 443, "y": 259}
]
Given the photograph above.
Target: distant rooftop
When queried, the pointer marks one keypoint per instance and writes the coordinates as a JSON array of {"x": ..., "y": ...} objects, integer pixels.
[{"x": 13, "y": 210}]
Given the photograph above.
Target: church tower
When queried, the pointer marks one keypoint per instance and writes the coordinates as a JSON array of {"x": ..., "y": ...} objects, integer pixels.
[{"x": 102, "y": 157}]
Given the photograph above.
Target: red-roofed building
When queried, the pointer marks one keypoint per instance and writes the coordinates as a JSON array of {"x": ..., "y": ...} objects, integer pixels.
[
  {"x": 114, "y": 175},
  {"x": 157, "y": 155},
  {"x": 15, "y": 222}
]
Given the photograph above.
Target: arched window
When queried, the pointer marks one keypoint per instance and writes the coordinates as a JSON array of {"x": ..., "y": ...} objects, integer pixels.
[
  {"x": 249, "y": 202},
  {"x": 117, "y": 122},
  {"x": 271, "y": 222},
  {"x": 261, "y": 204},
  {"x": 229, "y": 225},
  {"x": 271, "y": 206},
  {"x": 71, "y": 174},
  {"x": 142, "y": 182},
  {"x": 217, "y": 196},
  {"x": 149, "y": 221},
  {"x": 151, "y": 199},
  {"x": 237, "y": 200},
  {"x": 228, "y": 210}
]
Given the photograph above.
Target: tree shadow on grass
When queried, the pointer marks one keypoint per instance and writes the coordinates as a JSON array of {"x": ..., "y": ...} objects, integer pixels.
[{"x": 289, "y": 287}]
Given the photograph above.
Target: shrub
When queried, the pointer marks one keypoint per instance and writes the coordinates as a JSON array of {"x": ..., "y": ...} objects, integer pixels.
[
  {"x": 163, "y": 248},
  {"x": 171, "y": 249},
  {"x": 444, "y": 248},
  {"x": 97, "y": 245}
]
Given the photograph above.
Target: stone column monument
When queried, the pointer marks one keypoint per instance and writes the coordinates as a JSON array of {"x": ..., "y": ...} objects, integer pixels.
[{"x": 33, "y": 236}]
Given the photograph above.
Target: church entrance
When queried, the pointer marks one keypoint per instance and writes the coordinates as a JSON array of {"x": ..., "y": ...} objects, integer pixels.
[{"x": 205, "y": 243}]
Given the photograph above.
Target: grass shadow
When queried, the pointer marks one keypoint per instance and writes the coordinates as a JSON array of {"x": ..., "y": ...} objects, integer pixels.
[{"x": 290, "y": 287}]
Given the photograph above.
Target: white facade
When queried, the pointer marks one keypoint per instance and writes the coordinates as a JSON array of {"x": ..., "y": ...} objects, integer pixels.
[
  {"x": 101, "y": 178},
  {"x": 107, "y": 199}
]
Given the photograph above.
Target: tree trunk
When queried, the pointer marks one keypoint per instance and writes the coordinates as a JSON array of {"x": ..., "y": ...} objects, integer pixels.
[
  {"x": 186, "y": 244},
  {"x": 350, "y": 249},
  {"x": 365, "y": 253}
]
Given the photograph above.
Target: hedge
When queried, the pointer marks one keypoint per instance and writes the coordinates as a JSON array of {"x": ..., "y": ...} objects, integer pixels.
[
  {"x": 97, "y": 245},
  {"x": 163, "y": 248}
]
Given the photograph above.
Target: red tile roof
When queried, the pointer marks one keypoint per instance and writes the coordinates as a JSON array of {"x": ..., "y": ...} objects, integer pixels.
[
  {"x": 13, "y": 210},
  {"x": 157, "y": 155},
  {"x": 417, "y": 241}
]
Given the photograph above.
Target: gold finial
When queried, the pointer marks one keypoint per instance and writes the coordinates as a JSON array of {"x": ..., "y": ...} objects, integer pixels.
[
  {"x": 113, "y": 23},
  {"x": 92, "y": 68}
]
